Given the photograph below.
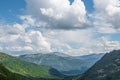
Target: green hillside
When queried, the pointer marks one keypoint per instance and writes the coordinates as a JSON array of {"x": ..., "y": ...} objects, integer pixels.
[
  {"x": 108, "y": 68},
  {"x": 28, "y": 69},
  {"x": 6, "y": 74}
]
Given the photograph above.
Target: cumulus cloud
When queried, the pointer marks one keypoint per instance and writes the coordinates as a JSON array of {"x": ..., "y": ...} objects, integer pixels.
[
  {"x": 106, "y": 45},
  {"x": 39, "y": 41},
  {"x": 107, "y": 16},
  {"x": 72, "y": 42},
  {"x": 80, "y": 42},
  {"x": 59, "y": 14},
  {"x": 58, "y": 26},
  {"x": 13, "y": 37},
  {"x": 7, "y": 29},
  {"x": 28, "y": 20}
]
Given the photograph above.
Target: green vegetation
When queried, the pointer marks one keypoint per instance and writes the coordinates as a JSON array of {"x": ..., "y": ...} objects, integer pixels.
[
  {"x": 108, "y": 68},
  {"x": 28, "y": 70},
  {"x": 6, "y": 74}
]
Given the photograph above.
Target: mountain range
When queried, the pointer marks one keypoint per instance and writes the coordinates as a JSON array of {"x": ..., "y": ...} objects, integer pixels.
[
  {"x": 63, "y": 62},
  {"x": 107, "y": 68},
  {"x": 28, "y": 71}
]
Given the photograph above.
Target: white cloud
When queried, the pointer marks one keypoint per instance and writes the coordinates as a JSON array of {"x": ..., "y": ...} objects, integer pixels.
[
  {"x": 59, "y": 14},
  {"x": 28, "y": 20},
  {"x": 14, "y": 38},
  {"x": 104, "y": 27},
  {"x": 107, "y": 15},
  {"x": 55, "y": 25},
  {"x": 39, "y": 41},
  {"x": 72, "y": 42},
  {"x": 18, "y": 48},
  {"x": 1, "y": 48},
  {"x": 7, "y": 29},
  {"x": 110, "y": 45}
]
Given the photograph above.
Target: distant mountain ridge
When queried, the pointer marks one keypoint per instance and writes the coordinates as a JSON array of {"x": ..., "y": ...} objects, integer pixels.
[
  {"x": 60, "y": 54},
  {"x": 62, "y": 62},
  {"x": 107, "y": 68}
]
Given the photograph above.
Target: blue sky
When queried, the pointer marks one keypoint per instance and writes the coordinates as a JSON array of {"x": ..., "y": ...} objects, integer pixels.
[
  {"x": 10, "y": 9},
  {"x": 45, "y": 23}
]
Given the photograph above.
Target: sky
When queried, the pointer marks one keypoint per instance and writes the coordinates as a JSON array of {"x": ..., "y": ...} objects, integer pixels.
[{"x": 74, "y": 27}]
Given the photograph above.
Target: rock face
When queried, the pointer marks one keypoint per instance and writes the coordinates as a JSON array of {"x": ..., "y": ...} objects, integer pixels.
[{"x": 108, "y": 68}]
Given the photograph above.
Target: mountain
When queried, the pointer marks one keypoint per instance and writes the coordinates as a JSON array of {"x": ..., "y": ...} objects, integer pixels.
[
  {"x": 29, "y": 70},
  {"x": 60, "y": 54},
  {"x": 62, "y": 62},
  {"x": 6, "y": 74},
  {"x": 108, "y": 68},
  {"x": 90, "y": 57}
]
